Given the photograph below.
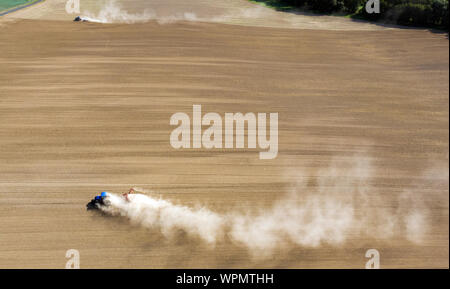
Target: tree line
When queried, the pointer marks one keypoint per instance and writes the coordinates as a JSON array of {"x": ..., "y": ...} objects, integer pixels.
[{"x": 426, "y": 13}]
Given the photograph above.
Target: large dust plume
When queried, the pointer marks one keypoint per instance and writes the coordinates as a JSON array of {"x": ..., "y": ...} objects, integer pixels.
[{"x": 328, "y": 207}]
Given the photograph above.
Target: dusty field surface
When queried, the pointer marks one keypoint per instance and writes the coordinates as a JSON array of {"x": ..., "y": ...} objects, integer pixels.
[{"x": 85, "y": 107}]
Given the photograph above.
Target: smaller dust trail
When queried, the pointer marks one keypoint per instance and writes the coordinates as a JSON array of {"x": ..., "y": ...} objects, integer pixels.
[
  {"x": 168, "y": 217},
  {"x": 113, "y": 12}
]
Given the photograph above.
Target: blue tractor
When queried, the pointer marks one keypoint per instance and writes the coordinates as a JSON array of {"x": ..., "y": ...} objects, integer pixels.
[{"x": 96, "y": 202}]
